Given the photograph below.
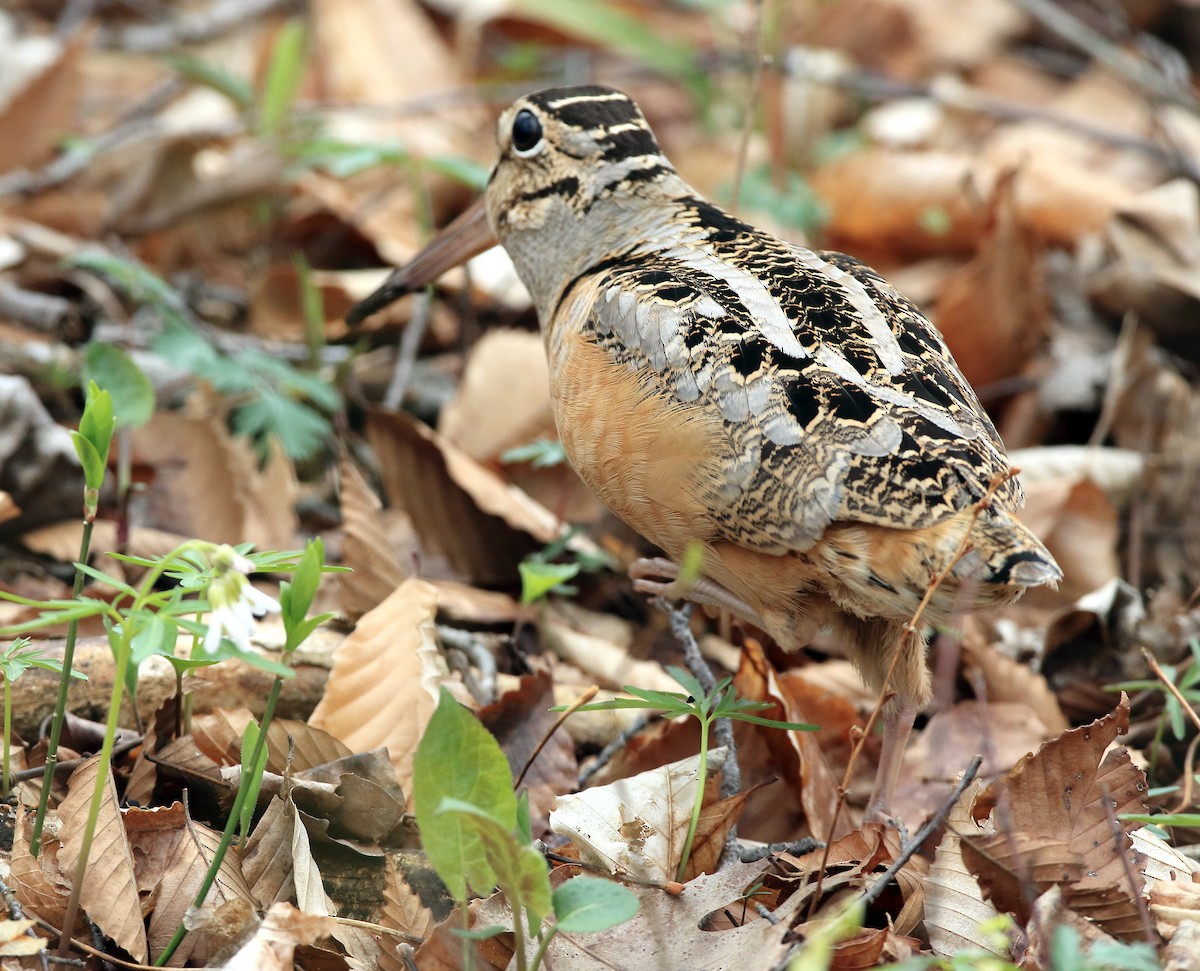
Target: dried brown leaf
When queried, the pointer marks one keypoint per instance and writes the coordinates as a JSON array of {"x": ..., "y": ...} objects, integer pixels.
[
  {"x": 365, "y": 550},
  {"x": 520, "y": 720},
  {"x": 110, "y": 891},
  {"x": 207, "y": 483},
  {"x": 483, "y": 525},
  {"x": 185, "y": 866},
  {"x": 274, "y": 942},
  {"x": 1058, "y": 803},
  {"x": 381, "y": 691},
  {"x": 637, "y": 825}
]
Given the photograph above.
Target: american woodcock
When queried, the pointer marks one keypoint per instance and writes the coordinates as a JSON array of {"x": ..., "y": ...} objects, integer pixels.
[{"x": 786, "y": 409}]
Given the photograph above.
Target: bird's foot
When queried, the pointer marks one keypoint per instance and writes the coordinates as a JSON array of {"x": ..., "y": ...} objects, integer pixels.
[{"x": 659, "y": 577}]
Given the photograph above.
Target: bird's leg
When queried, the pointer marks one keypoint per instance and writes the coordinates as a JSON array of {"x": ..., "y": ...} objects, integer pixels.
[
  {"x": 898, "y": 718},
  {"x": 659, "y": 577}
]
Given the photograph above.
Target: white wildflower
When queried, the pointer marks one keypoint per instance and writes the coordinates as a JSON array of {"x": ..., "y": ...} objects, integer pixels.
[{"x": 234, "y": 602}]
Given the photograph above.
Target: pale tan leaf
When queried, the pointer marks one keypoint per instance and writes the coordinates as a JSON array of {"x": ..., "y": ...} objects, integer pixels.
[
  {"x": 219, "y": 735},
  {"x": 1174, "y": 903},
  {"x": 403, "y": 910},
  {"x": 110, "y": 892},
  {"x": 637, "y": 825},
  {"x": 33, "y": 119},
  {"x": 274, "y": 943},
  {"x": 375, "y": 695},
  {"x": 955, "y": 907},
  {"x": 16, "y": 939}
]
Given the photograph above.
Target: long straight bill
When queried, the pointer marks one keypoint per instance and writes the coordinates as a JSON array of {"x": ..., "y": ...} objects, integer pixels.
[{"x": 468, "y": 236}]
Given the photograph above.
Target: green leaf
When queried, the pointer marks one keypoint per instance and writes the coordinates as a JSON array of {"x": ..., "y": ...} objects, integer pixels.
[
  {"x": 458, "y": 758},
  {"x": 771, "y": 723},
  {"x": 1190, "y": 820},
  {"x": 210, "y": 75},
  {"x": 538, "y": 579},
  {"x": 252, "y": 773},
  {"x": 296, "y": 595},
  {"x": 541, "y": 454},
  {"x": 112, "y": 369},
  {"x": 586, "y": 905},
  {"x": 613, "y": 28},
  {"x": 283, "y": 77},
  {"x": 93, "y": 465},
  {"x": 520, "y": 869},
  {"x": 97, "y": 422}
]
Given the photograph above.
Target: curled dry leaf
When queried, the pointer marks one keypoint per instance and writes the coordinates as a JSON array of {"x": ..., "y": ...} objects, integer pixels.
[
  {"x": 274, "y": 942},
  {"x": 664, "y": 932},
  {"x": 1174, "y": 903},
  {"x": 635, "y": 826},
  {"x": 1003, "y": 732},
  {"x": 994, "y": 311},
  {"x": 173, "y": 854},
  {"x": 1056, "y": 828}
]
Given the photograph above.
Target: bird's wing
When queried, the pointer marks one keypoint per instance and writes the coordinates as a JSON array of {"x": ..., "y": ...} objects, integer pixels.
[{"x": 839, "y": 400}]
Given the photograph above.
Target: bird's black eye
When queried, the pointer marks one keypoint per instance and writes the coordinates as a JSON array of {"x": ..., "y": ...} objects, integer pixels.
[{"x": 526, "y": 132}]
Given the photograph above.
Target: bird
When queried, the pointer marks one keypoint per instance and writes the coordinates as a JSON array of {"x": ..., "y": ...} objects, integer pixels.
[{"x": 785, "y": 411}]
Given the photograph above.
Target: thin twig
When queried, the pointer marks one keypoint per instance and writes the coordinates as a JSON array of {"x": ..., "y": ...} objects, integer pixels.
[
  {"x": 1151, "y": 660},
  {"x": 1135, "y": 69},
  {"x": 752, "y": 854},
  {"x": 410, "y": 344},
  {"x": 37, "y": 771},
  {"x": 756, "y": 79},
  {"x": 871, "y": 894},
  {"x": 612, "y": 748},
  {"x": 1119, "y": 837},
  {"x": 193, "y": 27},
  {"x": 575, "y": 705}
]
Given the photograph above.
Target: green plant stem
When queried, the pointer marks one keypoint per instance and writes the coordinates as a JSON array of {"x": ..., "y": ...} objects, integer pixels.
[
  {"x": 7, "y": 733},
  {"x": 705, "y": 722},
  {"x": 124, "y": 650},
  {"x": 231, "y": 825},
  {"x": 519, "y": 936},
  {"x": 543, "y": 944},
  {"x": 60, "y": 704}
]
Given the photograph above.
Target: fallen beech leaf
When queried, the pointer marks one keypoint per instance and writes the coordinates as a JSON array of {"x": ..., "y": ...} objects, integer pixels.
[
  {"x": 365, "y": 550},
  {"x": 664, "y": 933},
  {"x": 274, "y": 942},
  {"x": 1007, "y": 680},
  {"x": 290, "y": 743},
  {"x": 208, "y": 484},
  {"x": 483, "y": 525},
  {"x": 183, "y": 849},
  {"x": 16, "y": 941},
  {"x": 110, "y": 892},
  {"x": 1058, "y": 829},
  {"x": 635, "y": 826},
  {"x": 402, "y": 911},
  {"x": 994, "y": 311},
  {"x": 381, "y": 691},
  {"x": 1003, "y": 732},
  {"x": 40, "y": 884},
  {"x": 955, "y": 908},
  {"x": 33, "y": 119}
]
